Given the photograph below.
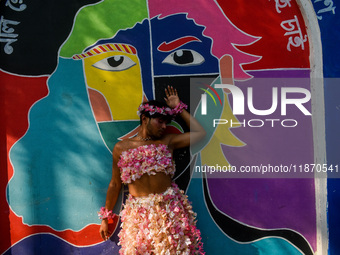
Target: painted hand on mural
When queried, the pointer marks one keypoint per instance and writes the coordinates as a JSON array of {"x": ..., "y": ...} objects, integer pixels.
[{"x": 226, "y": 71}]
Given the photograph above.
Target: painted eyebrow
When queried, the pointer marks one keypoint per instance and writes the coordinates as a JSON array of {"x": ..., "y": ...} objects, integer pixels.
[{"x": 165, "y": 47}]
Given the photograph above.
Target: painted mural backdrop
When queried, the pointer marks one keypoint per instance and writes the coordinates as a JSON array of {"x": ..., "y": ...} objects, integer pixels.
[{"x": 73, "y": 74}]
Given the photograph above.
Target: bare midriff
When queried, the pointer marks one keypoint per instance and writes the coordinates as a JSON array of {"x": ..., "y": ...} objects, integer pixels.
[{"x": 150, "y": 184}]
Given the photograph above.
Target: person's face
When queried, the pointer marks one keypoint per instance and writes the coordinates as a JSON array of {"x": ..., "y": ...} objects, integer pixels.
[{"x": 156, "y": 127}]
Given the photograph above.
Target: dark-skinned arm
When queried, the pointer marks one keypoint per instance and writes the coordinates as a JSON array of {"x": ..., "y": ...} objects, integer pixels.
[
  {"x": 196, "y": 131},
  {"x": 112, "y": 192}
]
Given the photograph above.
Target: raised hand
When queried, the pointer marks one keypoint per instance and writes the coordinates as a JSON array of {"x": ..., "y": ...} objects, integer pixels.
[{"x": 171, "y": 99}]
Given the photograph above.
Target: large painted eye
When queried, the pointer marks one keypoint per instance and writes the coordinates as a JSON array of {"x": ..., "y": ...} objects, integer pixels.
[
  {"x": 115, "y": 63},
  {"x": 184, "y": 58}
]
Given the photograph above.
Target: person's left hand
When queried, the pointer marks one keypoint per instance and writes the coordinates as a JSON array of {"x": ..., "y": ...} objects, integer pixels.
[{"x": 171, "y": 99}]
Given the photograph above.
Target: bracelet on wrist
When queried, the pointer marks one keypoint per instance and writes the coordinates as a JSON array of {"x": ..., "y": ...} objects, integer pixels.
[
  {"x": 105, "y": 214},
  {"x": 179, "y": 108}
]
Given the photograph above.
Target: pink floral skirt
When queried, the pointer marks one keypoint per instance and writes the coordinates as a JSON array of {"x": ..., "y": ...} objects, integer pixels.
[{"x": 159, "y": 224}]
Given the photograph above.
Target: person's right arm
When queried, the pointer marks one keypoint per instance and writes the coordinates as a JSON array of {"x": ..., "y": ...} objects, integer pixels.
[{"x": 112, "y": 191}]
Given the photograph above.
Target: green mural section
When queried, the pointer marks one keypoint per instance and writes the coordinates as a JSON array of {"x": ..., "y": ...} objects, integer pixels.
[{"x": 93, "y": 22}]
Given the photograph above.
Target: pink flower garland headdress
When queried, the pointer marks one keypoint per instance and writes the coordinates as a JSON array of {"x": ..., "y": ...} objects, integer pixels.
[{"x": 152, "y": 109}]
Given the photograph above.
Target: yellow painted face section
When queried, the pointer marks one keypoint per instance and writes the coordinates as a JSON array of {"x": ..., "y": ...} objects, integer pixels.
[{"x": 117, "y": 76}]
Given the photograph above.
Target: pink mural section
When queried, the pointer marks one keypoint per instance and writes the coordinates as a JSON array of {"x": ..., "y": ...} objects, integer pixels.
[{"x": 217, "y": 26}]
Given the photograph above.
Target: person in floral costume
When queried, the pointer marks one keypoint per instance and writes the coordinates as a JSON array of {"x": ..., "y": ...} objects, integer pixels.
[{"x": 157, "y": 217}]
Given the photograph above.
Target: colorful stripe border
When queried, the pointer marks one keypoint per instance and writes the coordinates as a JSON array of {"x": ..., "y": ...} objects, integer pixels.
[{"x": 103, "y": 48}]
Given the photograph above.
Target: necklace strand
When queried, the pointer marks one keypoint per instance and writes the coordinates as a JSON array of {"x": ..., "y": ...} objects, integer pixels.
[{"x": 144, "y": 139}]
